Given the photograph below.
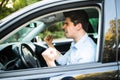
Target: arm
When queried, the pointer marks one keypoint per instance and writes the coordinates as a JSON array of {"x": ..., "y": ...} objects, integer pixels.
[
  {"x": 51, "y": 54},
  {"x": 48, "y": 39}
]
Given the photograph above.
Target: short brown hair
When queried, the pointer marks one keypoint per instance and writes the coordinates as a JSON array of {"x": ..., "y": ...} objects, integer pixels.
[{"x": 78, "y": 16}]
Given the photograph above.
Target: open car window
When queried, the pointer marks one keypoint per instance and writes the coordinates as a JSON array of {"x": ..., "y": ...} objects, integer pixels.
[
  {"x": 54, "y": 22},
  {"x": 34, "y": 32}
]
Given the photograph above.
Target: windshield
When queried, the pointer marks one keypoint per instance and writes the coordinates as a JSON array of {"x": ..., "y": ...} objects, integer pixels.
[{"x": 22, "y": 34}]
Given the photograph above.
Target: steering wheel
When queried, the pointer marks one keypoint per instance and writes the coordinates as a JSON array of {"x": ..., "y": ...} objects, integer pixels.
[{"x": 27, "y": 55}]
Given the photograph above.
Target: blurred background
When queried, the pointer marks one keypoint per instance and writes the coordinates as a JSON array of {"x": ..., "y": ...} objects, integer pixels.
[{"x": 9, "y": 6}]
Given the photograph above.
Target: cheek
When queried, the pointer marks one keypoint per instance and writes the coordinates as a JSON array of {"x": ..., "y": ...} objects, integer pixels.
[{"x": 71, "y": 29}]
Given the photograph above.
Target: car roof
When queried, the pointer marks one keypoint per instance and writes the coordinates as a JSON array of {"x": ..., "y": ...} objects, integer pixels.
[{"x": 36, "y": 5}]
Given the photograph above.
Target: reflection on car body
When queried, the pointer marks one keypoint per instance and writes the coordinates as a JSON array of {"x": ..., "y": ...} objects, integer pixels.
[{"x": 22, "y": 33}]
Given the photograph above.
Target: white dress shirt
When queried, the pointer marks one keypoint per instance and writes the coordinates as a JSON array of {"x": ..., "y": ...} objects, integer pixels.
[{"x": 82, "y": 52}]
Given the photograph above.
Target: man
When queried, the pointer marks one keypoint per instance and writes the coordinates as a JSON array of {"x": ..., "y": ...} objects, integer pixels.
[{"x": 82, "y": 49}]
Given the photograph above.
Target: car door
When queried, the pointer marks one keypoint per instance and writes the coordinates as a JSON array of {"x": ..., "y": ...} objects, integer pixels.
[{"x": 106, "y": 65}]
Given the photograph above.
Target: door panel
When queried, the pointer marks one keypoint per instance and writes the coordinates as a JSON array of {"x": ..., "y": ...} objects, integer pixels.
[{"x": 91, "y": 71}]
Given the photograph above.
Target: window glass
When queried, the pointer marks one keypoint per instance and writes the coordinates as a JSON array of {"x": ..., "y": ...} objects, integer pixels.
[
  {"x": 24, "y": 33},
  {"x": 109, "y": 54},
  {"x": 118, "y": 25},
  {"x": 20, "y": 34}
]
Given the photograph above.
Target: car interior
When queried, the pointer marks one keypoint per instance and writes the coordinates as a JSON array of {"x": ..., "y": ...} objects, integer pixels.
[{"x": 24, "y": 46}]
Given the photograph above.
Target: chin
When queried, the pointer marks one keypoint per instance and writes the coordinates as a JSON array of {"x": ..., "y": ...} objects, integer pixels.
[{"x": 68, "y": 36}]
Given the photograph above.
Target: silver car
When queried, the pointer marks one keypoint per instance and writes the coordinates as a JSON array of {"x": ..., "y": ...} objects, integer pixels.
[{"x": 22, "y": 33}]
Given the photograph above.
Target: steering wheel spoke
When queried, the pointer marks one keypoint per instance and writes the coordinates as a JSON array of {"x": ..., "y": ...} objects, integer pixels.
[{"x": 27, "y": 55}]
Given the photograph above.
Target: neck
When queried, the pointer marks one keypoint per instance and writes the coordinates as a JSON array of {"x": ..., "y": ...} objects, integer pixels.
[{"x": 79, "y": 36}]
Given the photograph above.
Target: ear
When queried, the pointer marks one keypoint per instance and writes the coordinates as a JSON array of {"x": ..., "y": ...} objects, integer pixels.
[{"x": 79, "y": 26}]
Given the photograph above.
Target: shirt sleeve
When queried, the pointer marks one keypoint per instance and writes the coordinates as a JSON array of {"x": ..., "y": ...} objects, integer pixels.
[{"x": 62, "y": 60}]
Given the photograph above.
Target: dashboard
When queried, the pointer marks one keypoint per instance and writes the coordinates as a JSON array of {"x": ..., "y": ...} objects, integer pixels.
[{"x": 7, "y": 55}]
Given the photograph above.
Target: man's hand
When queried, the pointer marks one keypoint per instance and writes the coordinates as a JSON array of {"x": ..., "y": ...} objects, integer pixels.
[
  {"x": 48, "y": 39},
  {"x": 50, "y": 56}
]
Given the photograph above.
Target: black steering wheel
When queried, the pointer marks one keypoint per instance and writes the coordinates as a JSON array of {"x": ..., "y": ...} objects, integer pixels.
[{"x": 27, "y": 55}]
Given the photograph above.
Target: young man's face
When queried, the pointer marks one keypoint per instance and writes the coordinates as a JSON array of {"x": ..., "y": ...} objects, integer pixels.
[{"x": 69, "y": 28}]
